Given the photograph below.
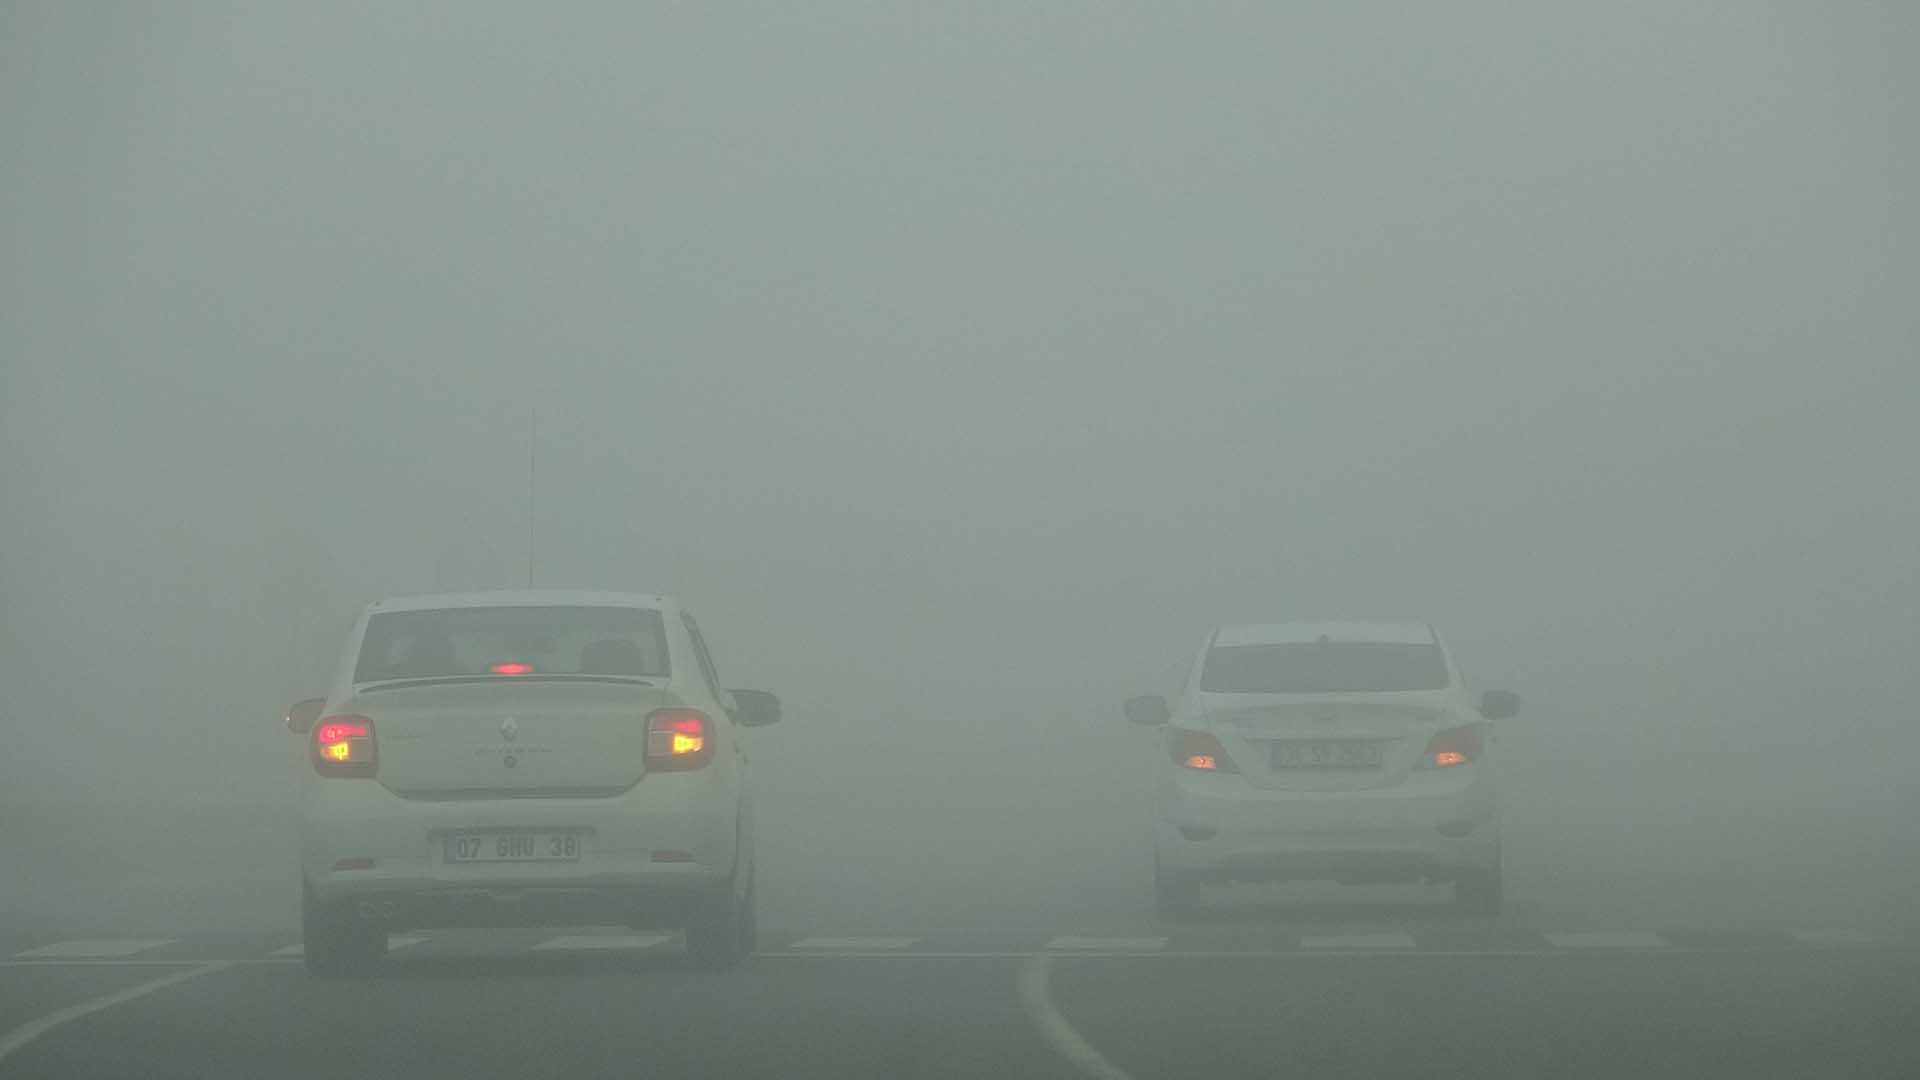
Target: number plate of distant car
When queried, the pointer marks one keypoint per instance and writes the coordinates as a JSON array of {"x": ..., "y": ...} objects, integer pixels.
[
  {"x": 487, "y": 847},
  {"x": 1326, "y": 754}
]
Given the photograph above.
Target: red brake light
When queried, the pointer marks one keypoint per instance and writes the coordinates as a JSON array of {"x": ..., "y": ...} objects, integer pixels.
[
  {"x": 1198, "y": 750},
  {"x": 678, "y": 739},
  {"x": 511, "y": 667},
  {"x": 343, "y": 746},
  {"x": 1454, "y": 746}
]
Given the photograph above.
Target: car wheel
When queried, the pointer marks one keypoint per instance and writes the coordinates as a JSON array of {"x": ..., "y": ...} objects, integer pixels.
[
  {"x": 727, "y": 938},
  {"x": 1479, "y": 892},
  {"x": 335, "y": 940}
]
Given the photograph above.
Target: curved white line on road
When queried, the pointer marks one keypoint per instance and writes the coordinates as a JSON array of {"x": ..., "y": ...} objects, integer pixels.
[
  {"x": 1036, "y": 996},
  {"x": 11, "y": 1043}
]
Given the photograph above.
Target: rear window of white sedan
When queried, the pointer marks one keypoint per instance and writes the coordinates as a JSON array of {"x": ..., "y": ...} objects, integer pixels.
[
  {"x": 510, "y": 641},
  {"x": 1323, "y": 667}
]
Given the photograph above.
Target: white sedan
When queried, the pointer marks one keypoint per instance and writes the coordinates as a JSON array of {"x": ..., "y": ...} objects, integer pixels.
[
  {"x": 531, "y": 758},
  {"x": 1348, "y": 752}
]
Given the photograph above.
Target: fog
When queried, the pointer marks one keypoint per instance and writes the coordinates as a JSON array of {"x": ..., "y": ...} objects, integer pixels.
[{"x": 960, "y": 369}]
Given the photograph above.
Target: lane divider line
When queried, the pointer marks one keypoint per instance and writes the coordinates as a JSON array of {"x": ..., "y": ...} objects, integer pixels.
[
  {"x": 1357, "y": 941},
  {"x": 602, "y": 941},
  {"x": 296, "y": 952},
  {"x": 856, "y": 944},
  {"x": 1112, "y": 944},
  {"x": 93, "y": 948},
  {"x": 1607, "y": 939},
  {"x": 11, "y": 1043},
  {"x": 1830, "y": 937},
  {"x": 1036, "y": 997}
]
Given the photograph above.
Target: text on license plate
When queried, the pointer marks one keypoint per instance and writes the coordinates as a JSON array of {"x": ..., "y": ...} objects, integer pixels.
[
  {"x": 512, "y": 847},
  {"x": 1327, "y": 754}
]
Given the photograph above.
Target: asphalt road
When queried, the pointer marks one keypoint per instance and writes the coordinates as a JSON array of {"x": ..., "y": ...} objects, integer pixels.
[
  {"x": 1283, "y": 988},
  {"x": 995, "y": 923}
]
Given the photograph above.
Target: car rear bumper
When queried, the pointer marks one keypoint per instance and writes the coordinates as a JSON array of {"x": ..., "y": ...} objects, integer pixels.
[
  {"x": 1220, "y": 828},
  {"x": 647, "y": 853}
]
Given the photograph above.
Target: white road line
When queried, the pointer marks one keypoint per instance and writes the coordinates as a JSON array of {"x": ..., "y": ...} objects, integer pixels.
[
  {"x": 93, "y": 948},
  {"x": 853, "y": 943},
  {"x": 1848, "y": 938},
  {"x": 1607, "y": 939},
  {"x": 11, "y": 1043},
  {"x": 1108, "y": 944},
  {"x": 295, "y": 952},
  {"x": 1357, "y": 941},
  {"x": 603, "y": 941},
  {"x": 1036, "y": 996}
]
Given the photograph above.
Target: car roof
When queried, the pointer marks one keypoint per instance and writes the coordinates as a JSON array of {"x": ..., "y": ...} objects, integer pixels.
[
  {"x": 1370, "y": 632},
  {"x": 524, "y": 598}
]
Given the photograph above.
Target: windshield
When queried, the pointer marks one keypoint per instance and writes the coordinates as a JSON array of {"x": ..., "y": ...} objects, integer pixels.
[
  {"x": 513, "y": 641},
  {"x": 1323, "y": 668}
]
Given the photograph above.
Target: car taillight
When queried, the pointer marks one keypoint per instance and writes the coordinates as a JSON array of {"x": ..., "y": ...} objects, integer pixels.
[
  {"x": 678, "y": 739},
  {"x": 1454, "y": 746},
  {"x": 1198, "y": 750},
  {"x": 343, "y": 746}
]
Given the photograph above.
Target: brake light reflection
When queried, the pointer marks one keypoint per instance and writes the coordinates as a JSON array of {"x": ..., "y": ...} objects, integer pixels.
[{"x": 511, "y": 667}]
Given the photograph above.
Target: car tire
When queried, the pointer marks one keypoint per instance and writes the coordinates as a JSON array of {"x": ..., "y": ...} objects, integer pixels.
[
  {"x": 1479, "y": 892},
  {"x": 335, "y": 940},
  {"x": 723, "y": 941}
]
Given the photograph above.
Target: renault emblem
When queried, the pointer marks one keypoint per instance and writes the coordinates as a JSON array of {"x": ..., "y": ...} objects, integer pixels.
[{"x": 510, "y": 729}]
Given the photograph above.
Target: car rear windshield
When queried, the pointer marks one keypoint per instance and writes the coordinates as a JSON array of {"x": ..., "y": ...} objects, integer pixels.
[
  {"x": 1323, "y": 668},
  {"x": 509, "y": 641}
]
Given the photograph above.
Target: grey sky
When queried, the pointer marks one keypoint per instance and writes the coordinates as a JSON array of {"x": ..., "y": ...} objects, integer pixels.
[{"x": 930, "y": 355}]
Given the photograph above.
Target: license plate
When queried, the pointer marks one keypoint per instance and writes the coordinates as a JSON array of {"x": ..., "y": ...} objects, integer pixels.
[
  {"x": 1326, "y": 754},
  {"x": 490, "y": 847}
]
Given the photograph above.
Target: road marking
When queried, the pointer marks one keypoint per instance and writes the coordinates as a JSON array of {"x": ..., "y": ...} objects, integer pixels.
[
  {"x": 1109, "y": 944},
  {"x": 93, "y": 948},
  {"x": 11, "y": 1043},
  {"x": 1607, "y": 939},
  {"x": 856, "y": 944},
  {"x": 1036, "y": 996},
  {"x": 603, "y": 941},
  {"x": 295, "y": 952},
  {"x": 1847, "y": 938},
  {"x": 1357, "y": 941}
]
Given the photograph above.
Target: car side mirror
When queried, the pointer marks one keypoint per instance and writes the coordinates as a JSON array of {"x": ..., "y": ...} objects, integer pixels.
[
  {"x": 1149, "y": 710},
  {"x": 755, "y": 708},
  {"x": 1499, "y": 704},
  {"x": 302, "y": 715}
]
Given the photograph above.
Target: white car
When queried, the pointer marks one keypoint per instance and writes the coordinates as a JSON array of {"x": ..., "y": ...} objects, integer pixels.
[
  {"x": 534, "y": 758},
  {"x": 1348, "y": 752}
]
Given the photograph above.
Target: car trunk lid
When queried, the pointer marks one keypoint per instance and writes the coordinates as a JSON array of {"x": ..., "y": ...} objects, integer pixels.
[
  {"x": 511, "y": 737},
  {"x": 1335, "y": 742}
]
